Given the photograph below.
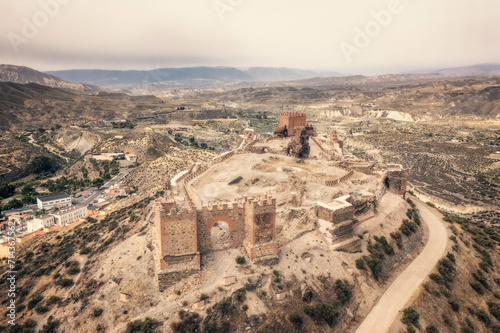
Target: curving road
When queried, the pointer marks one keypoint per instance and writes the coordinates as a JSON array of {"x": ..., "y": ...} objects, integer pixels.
[{"x": 401, "y": 290}]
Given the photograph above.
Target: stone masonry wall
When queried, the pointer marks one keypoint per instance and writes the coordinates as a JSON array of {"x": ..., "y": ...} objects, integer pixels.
[{"x": 233, "y": 215}]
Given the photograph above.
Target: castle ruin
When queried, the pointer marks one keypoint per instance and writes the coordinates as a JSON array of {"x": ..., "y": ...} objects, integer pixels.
[{"x": 183, "y": 234}]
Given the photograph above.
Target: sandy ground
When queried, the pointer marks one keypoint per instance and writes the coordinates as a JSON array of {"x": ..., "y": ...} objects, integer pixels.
[
  {"x": 403, "y": 288},
  {"x": 261, "y": 174}
]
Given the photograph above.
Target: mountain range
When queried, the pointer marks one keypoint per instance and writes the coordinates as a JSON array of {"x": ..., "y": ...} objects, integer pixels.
[
  {"x": 117, "y": 78},
  {"x": 24, "y": 75},
  {"x": 89, "y": 80}
]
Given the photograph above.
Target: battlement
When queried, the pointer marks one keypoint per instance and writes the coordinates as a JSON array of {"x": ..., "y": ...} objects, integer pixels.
[
  {"x": 223, "y": 206},
  {"x": 292, "y": 114},
  {"x": 175, "y": 214},
  {"x": 266, "y": 200},
  {"x": 292, "y": 120}
]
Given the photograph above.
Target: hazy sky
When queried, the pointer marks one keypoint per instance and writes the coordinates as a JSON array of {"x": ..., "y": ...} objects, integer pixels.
[{"x": 338, "y": 35}]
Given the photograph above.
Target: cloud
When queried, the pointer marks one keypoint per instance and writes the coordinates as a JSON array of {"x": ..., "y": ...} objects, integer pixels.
[{"x": 124, "y": 34}]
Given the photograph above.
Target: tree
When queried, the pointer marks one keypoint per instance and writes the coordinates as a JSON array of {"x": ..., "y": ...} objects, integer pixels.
[
  {"x": 27, "y": 189},
  {"x": 98, "y": 182},
  {"x": 6, "y": 190},
  {"x": 15, "y": 203},
  {"x": 41, "y": 164}
]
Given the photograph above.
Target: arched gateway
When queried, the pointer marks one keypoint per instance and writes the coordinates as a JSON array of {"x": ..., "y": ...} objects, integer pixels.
[{"x": 183, "y": 234}]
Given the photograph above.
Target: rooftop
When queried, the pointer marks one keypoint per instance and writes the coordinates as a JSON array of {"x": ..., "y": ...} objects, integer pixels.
[{"x": 54, "y": 197}]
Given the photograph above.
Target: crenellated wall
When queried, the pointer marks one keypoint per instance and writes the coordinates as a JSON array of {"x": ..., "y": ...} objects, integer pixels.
[
  {"x": 182, "y": 234},
  {"x": 231, "y": 213}
]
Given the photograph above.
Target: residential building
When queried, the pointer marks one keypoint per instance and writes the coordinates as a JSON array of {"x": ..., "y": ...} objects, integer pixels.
[
  {"x": 40, "y": 222},
  {"x": 18, "y": 211},
  {"x": 54, "y": 201},
  {"x": 131, "y": 157},
  {"x": 117, "y": 190},
  {"x": 68, "y": 215}
]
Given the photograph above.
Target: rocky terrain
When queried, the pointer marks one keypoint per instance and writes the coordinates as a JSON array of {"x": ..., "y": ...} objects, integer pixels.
[
  {"x": 99, "y": 275},
  {"x": 23, "y": 75}
]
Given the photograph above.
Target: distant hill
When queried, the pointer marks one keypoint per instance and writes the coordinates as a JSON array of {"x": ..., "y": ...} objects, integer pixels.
[
  {"x": 24, "y": 75},
  {"x": 476, "y": 70},
  {"x": 115, "y": 78},
  {"x": 33, "y": 106}
]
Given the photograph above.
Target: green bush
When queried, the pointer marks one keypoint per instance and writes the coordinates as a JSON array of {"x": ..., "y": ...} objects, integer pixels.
[
  {"x": 41, "y": 309},
  {"x": 98, "y": 312},
  {"x": 431, "y": 329},
  {"x": 34, "y": 301},
  {"x": 375, "y": 265},
  {"x": 408, "y": 227},
  {"x": 483, "y": 316},
  {"x": 360, "y": 263},
  {"x": 51, "y": 326},
  {"x": 224, "y": 306},
  {"x": 494, "y": 309},
  {"x": 410, "y": 329},
  {"x": 436, "y": 278},
  {"x": 477, "y": 287},
  {"x": 203, "y": 297},
  {"x": 322, "y": 312},
  {"x": 446, "y": 269},
  {"x": 73, "y": 268},
  {"x": 53, "y": 300},
  {"x": 410, "y": 316},
  {"x": 454, "y": 306},
  {"x": 42, "y": 164},
  {"x": 65, "y": 283},
  {"x": 295, "y": 319},
  {"x": 479, "y": 277},
  {"x": 343, "y": 291},
  {"x": 147, "y": 325},
  {"x": 240, "y": 260}
]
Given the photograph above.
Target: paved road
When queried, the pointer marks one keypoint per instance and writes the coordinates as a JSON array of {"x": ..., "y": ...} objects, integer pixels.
[
  {"x": 395, "y": 298},
  {"x": 97, "y": 192}
]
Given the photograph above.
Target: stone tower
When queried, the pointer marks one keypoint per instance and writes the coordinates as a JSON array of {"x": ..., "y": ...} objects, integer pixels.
[
  {"x": 292, "y": 120},
  {"x": 260, "y": 227}
]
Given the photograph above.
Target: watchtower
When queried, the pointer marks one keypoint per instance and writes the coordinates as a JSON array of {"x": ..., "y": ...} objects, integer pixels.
[{"x": 292, "y": 120}]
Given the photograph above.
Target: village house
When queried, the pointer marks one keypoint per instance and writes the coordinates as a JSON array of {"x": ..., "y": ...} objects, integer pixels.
[
  {"x": 131, "y": 157},
  {"x": 117, "y": 190}
]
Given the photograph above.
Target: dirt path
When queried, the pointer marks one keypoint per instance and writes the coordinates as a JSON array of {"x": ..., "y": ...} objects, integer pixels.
[{"x": 395, "y": 298}]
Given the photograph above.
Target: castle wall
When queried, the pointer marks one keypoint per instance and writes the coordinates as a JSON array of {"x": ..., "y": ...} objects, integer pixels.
[
  {"x": 396, "y": 180},
  {"x": 340, "y": 212},
  {"x": 233, "y": 214}
]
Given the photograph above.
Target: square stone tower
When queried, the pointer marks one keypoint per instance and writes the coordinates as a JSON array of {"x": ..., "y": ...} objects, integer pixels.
[
  {"x": 176, "y": 237},
  {"x": 260, "y": 227},
  {"x": 292, "y": 120}
]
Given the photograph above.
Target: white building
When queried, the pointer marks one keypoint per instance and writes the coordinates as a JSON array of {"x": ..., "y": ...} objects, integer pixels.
[
  {"x": 68, "y": 215},
  {"x": 44, "y": 221},
  {"x": 53, "y": 201}
]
